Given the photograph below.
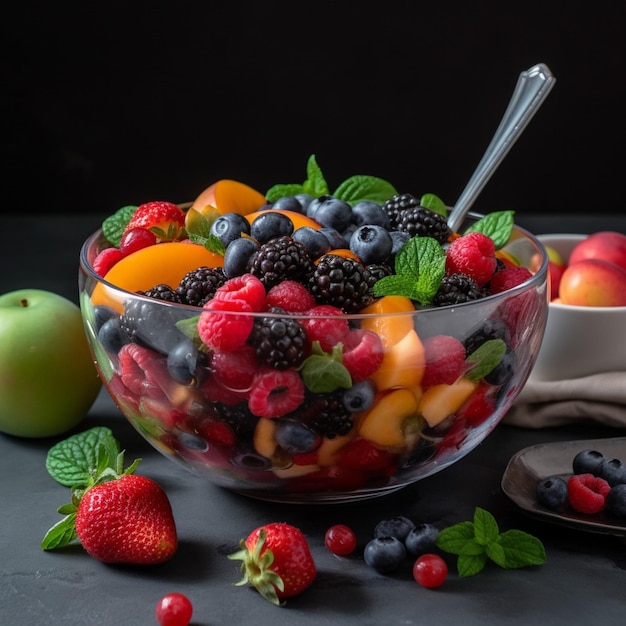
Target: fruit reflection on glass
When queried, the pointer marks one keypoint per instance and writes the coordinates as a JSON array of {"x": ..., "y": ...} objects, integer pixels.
[{"x": 304, "y": 346}]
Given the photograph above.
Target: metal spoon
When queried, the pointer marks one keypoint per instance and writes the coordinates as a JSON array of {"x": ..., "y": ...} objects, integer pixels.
[{"x": 531, "y": 90}]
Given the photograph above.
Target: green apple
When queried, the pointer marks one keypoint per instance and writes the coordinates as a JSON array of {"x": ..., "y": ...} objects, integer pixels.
[{"x": 48, "y": 380}]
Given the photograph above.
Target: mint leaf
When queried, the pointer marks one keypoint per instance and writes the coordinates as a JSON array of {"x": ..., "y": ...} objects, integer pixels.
[
  {"x": 72, "y": 462},
  {"x": 113, "y": 226},
  {"x": 315, "y": 184},
  {"x": 485, "y": 358},
  {"x": 323, "y": 372},
  {"x": 62, "y": 533},
  {"x": 434, "y": 203},
  {"x": 485, "y": 527},
  {"x": 521, "y": 549},
  {"x": 358, "y": 188},
  {"x": 198, "y": 227},
  {"x": 475, "y": 542},
  {"x": 497, "y": 225},
  {"x": 398, "y": 285}
]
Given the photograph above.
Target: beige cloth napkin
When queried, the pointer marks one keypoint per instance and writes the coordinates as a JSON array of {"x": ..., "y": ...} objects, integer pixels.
[{"x": 598, "y": 398}]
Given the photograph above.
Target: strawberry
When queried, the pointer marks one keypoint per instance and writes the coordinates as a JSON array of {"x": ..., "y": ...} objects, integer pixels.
[
  {"x": 127, "y": 520},
  {"x": 118, "y": 517},
  {"x": 277, "y": 561},
  {"x": 165, "y": 219}
]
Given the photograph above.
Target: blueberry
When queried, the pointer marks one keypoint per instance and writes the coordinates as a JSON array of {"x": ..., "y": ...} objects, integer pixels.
[
  {"x": 359, "y": 397},
  {"x": 315, "y": 241},
  {"x": 371, "y": 243},
  {"x": 270, "y": 225},
  {"x": 334, "y": 237},
  {"x": 369, "y": 212},
  {"x": 186, "y": 364},
  {"x": 398, "y": 239},
  {"x": 112, "y": 336},
  {"x": 295, "y": 437},
  {"x": 103, "y": 314},
  {"x": 384, "y": 554},
  {"x": 616, "y": 500},
  {"x": 398, "y": 527},
  {"x": 238, "y": 256},
  {"x": 613, "y": 471},
  {"x": 332, "y": 213},
  {"x": 288, "y": 203},
  {"x": 250, "y": 459},
  {"x": 551, "y": 492},
  {"x": 191, "y": 441},
  {"x": 229, "y": 226},
  {"x": 422, "y": 539},
  {"x": 587, "y": 462},
  {"x": 304, "y": 199},
  {"x": 315, "y": 204}
]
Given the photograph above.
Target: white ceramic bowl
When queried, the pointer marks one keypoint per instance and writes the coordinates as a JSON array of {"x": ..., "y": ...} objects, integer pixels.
[{"x": 579, "y": 341}]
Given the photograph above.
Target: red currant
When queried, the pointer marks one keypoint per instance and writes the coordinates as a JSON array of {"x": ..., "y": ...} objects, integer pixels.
[
  {"x": 340, "y": 539},
  {"x": 174, "y": 609},
  {"x": 430, "y": 571},
  {"x": 136, "y": 239}
]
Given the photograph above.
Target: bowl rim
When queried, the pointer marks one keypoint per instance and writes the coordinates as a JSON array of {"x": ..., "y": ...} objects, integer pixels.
[{"x": 533, "y": 282}]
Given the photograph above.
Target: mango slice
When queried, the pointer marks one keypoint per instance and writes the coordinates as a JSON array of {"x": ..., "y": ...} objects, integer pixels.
[{"x": 439, "y": 401}]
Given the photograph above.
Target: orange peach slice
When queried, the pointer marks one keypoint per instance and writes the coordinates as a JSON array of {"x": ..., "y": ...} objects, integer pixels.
[
  {"x": 392, "y": 421},
  {"x": 229, "y": 196},
  {"x": 161, "y": 263},
  {"x": 403, "y": 364},
  {"x": 389, "y": 323},
  {"x": 439, "y": 401}
]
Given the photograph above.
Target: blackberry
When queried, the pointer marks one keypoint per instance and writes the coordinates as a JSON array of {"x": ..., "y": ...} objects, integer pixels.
[
  {"x": 377, "y": 271},
  {"x": 326, "y": 414},
  {"x": 162, "y": 292},
  {"x": 457, "y": 289},
  {"x": 279, "y": 341},
  {"x": 422, "y": 222},
  {"x": 281, "y": 259},
  {"x": 199, "y": 286},
  {"x": 491, "y": 328},
  {"x": 341, "y": 282},
  {"x": 239, "y": 418},
  {"x": 396, "y": 204}
]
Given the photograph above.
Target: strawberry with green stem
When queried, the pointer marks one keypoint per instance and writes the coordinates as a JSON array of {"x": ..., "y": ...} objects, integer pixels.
[
  {"x": 118, "y": 517},
  {"x": 277, "y": 561}
]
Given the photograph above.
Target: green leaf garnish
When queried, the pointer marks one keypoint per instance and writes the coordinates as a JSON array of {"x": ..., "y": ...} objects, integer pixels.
[
  {"x": 315, "y": 184},
  {"x": 113, "y": 226},
  {"x": 485, "y": 358},
  {"x": 434, "y": 203},
  {"x": 323, "y": 372},
  {"x": 497, "y": 225},
  {"x": 420, "y": 265},
  {"x": 198, "y": 226},
  {"x": 476, "y": 542},
  {"x": 80, "y": 462},
  {"x": 359, "y": 188}
]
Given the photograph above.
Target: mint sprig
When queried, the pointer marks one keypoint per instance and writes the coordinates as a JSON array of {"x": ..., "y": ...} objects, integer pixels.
[
  {"x": 352, "y": 190},
  {"x": 81, "y": 462},
  {"x": 114, "y": 225},
  {"x": 485, "y": 358},
  {"x": 478, "y": 541},
  {"x": 324, "y": 372},
  {"x": 198, "y": 227},
  {"x": 419, "y": 267},
  {"x": 497, "y": 225}
]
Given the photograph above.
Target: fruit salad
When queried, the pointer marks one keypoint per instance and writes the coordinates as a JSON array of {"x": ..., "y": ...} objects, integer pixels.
[{"x": 300, "y": 343}]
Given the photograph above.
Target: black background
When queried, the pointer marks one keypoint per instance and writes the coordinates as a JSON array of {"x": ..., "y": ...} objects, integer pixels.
[{"x": 112, "y": 103}]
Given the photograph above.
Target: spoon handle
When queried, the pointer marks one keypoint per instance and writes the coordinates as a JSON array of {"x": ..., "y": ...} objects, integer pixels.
[{"x": 531, "y": 90}]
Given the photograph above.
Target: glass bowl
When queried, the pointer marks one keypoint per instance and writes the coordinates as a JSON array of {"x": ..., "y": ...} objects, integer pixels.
[{"x": 305, "y": 434}]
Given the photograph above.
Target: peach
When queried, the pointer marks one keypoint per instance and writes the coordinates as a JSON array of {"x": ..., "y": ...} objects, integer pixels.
[
  {"x": 229, "y": 196},
  {"x": 593, "y": 282},
  {"x": 606, "y": 245},
  {"x": 440, "y": 401}
]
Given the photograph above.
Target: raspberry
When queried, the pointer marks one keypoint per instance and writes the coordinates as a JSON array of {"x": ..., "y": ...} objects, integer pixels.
[
  {"x": 225, "y": 331},
  {"x": 235, "y": 370},
  {"x": 445, "y": 360},
  {"x": 474, "y": 255},
  {"x": 320, "y": 326},
  {"x": 216, "y": 432},
  {"x": 275, "y": 393},
  {"x": 165, "y": 219},
  {"x": 247, "y": 288},
  {"x": 106, "y": 260},
  {"x": 480, "y": 405},
  {"x": 362, "y": 353},
  {"x": 586, "y": 493},
  {"x": 291, "y": 296},
  {"x": 141, "y": 370},
  {"x": 506, "y": 279}
]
